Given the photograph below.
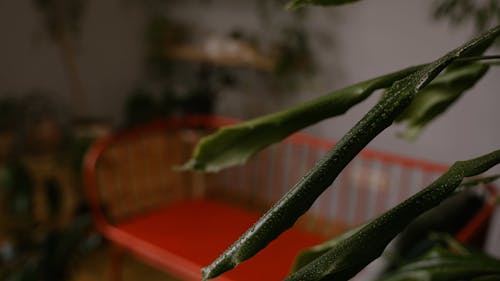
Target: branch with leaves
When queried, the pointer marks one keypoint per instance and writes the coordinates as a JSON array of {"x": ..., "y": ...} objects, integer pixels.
[
  {"x": 402, "y": 91},
  {"x": 348, "y": 256}
]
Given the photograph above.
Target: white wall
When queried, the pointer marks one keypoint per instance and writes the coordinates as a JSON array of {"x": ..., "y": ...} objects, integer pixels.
[{"x": 109, "y": 54}]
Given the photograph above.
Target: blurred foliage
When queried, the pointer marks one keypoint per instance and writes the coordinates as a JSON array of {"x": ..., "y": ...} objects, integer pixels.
[
  {"x": 448, "y": 259},
  {"x": 38, "y": 251},
  {"x": 144, "y": 105},
  {"x": 17, "y": 188},
  {"x": 294, "y": 53},
  {"x": 449, "y": 217},
  {"x": 51, "y": 258},
  {"x": 294, "y": 4},
  {"x": 9, "y": 113},
  {"x": 199, "y": 83},
  {"x": 483, "y": 14},
  {"x": 438, "y": 96},
  {"x": 61, "y": 15},
  {"x": 140, "y": 107},
  {"x": 33, "y": 248},
  {"x": 159, "y": 32}
]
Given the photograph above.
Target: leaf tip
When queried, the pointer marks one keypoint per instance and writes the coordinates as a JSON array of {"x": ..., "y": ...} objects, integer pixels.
[
  {"x": 221, "y": 265},
  {"x": 411, "y": 134},
  {"x": 194, "y": 165},
  {"x": 203, "y": 274},
  {"x": 190, "y": 165},
  {"x": 294, "y": 5}
]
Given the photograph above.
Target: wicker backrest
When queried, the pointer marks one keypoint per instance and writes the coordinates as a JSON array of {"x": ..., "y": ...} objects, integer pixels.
[{"x": 131, "y": 173}]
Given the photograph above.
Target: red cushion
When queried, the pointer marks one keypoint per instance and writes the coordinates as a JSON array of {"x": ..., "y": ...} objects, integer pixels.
[{"x": 198, "y": 231}]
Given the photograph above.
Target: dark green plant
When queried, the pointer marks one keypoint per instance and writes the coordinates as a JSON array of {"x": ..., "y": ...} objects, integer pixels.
[
  {"x": 42, "y": 247},
  {"x": 140, "y": 107},
  {"x": 16, "y": 185},
  {"x": 9, "y": 112},
  {"x": 294, "y": 4},
  {"x": 483, "y": 14},
  {"x": 446, "y": 260},
  {"x": 294, "y": 53},
  {"x": 40, "y": 252},
  {"x": 281, "y": 58},
  {"x": 52, "y": 257},
  {"x": 416, "y": 94},
  {"x": 449, "y": 217}
]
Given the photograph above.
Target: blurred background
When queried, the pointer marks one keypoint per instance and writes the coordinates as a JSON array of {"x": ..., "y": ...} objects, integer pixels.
[{"x": 72, "y": 71}]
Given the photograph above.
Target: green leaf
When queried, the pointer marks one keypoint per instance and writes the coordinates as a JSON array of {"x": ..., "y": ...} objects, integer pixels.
[
  {"x": 235, "y": 144},
  {"x": 450, "y": 216},
  {"x": 447, "y": 263},
  {"x": 478, "y": 181},
  {"x": 308, "y": 255},
  {"x": 350, "y": 255},
  {"x": 449, "y": 212},
  {"x": 301, "y": 3},
  {"x": 457, "y": 268},
  {"x": 434, "y": 99},
  {"x": 300, "y": 198},
  {"x": 493, "y": 277},
  {"x": 450, "y": 243}
]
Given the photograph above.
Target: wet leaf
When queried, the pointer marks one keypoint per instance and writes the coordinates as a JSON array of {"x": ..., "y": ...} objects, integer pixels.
[
  {"x": 301, "y": 196},
  {"x": 348, "y": 256},
  {"x": 308, "y": 255},
  {"x": 438, "y": 96},
  {"x": 235, "y": 144},
  {"x": 446, "y": 263},
  {"x": 482, "y": 180}
]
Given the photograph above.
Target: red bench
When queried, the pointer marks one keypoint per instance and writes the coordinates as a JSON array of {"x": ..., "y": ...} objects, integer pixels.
[{"x": 181, "y": 221}]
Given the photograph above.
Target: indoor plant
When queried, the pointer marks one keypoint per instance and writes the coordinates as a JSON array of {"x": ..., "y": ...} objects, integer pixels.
[{"x": 416, "y": 94}]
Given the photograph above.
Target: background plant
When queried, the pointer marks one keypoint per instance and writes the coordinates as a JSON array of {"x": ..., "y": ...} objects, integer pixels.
[{"x": 482, "y": 14}]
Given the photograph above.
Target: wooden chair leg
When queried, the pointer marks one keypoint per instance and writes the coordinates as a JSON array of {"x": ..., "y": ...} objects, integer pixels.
[{"x": 116, "y": 263}]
